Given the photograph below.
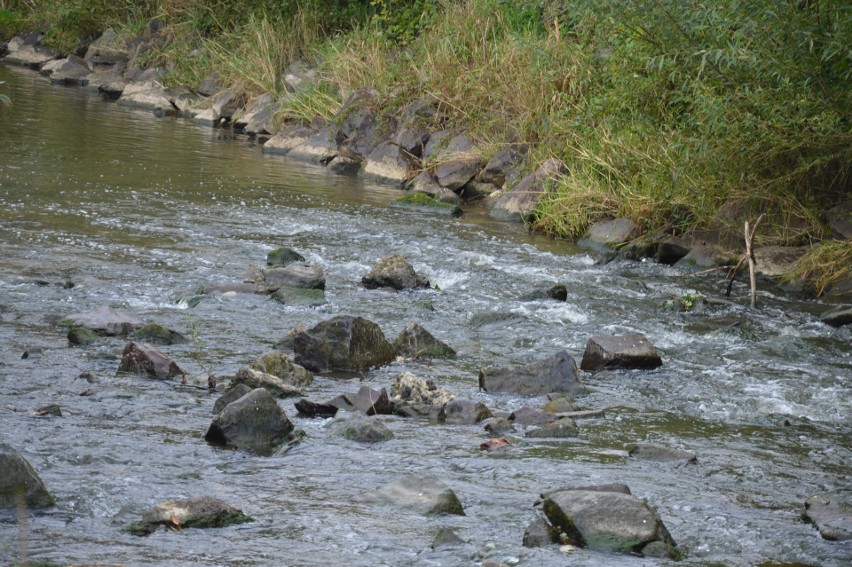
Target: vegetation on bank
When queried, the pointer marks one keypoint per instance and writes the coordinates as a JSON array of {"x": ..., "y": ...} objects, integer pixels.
[{"x": 663, "y": 110}]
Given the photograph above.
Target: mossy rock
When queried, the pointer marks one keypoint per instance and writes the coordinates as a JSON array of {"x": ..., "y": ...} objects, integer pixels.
[
  {"x": 200, "y": 512},
  {"x": 422, "y": 200},
  {"x": 155, "y": 334},
  {"x": 283, "y": 256}
]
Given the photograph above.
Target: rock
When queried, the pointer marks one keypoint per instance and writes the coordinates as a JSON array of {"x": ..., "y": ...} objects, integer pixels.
[
  {"x": 32, "y": 56},
  {"x": 561, "y": 428},
  {"x": 371, "y": 402},
  {"x": 254, "y": 423},
  {"x": 557, "y": 373},
  {"x": 410, "y": 389},
  {"x": 837, "y": 317},
  {"x": 612, "y": 232},
  {"x": 307, "y": 408},
  {"x": 651, "y": 452},
  {"x": 777, "y": 261},
  {"x": 412, "y": 138},
  {"x": 394, "y": 272},
  {"x": 225, "y": 103},
  {"x": 531, "y": 416},
  {"x": 49, "y": 410},
  {"x": 423, "y": 494},
  {"x": 706, "y": 256},
  {"x": 465, "y": 412},
  {"x": 520, "y": 202},
  {"x": 839, "y": 220},
  {"x": 620, "y": 351},
  {"x": 362, "y": 131},
  {"x": 458, "y": 163},
  {"x": 148, "y": 96},
  {"x": 209, "y": 85},
  {"x": 70, "y": 71},
  {"x": 499, "y": 426},
  {"x": 20, "y": 483},
  {"x": 280, "y": 365},
  {"x": 343, "y": 165},
  {"x": 671, "y": 249},
  {"x": 256, "y": 118},
  {"x": 619, "y": 487},
  {"x": 558, "y": 293},
  {"x": 287, "y": 138},
  {"x": 232, "y": 394},
  {"x": 425, "y": 202},
  {"x": 106, "y": 321},
  {"x": 606, "y": 521},
  {"x": 80, "y": 336},
  {"x": 283, "y": 256},
  {"x": 831, "y": 513},
  {"x": 303, "y": 276},
  {"x": 145, "y": 359},
  {"x": 275, "y": 385},
  {"x": 425, "y": 184},
  {"x": 497, "y": 168},
  {"x": 359, "y": 427},
  {"x": 157, "y": 334},
  {"x": 199, "y": 512},
  {"x": 320, "y": 148},
  {"x": 559, "y": 404},
  {"x": 342, "y": 343},
  {"x": 447, "y": 538},
  {"x": 299, "y": 296},
  {"x": 475, "y": 190},
  {"x": 388, "y": 163},
  {"x": 416, "y": 342},
  {"x": 539, "y": 534}
]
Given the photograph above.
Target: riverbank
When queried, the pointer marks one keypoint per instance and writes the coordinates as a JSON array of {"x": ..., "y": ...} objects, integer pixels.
[{"x": 613, "y": 114}]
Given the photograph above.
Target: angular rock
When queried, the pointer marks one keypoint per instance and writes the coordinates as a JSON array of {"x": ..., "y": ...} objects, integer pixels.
[
  {"x": 423, "y": 494},
  {"x": 612, "y": 232},
  {"x": 225, "y": 103},
  {"x": 70, "y": 71},
  {"x": 362, "y": 132},
  {"x": 777, "y": 261},
  {"x": 209, "y": 86},
  {"x": 371, "y": 402},
  {"x": 465, "y": 412},
  {"x": 411, "y": 389},
  {"x": 81, "y": 336},
  {"x": 254, "y": 423},
  {"x": 831, "y": 513},
  {"x": 557, "y": 373},
  {"x": 837, "y": 317},
  {"x": 283, "y": 256},
  {"x": 199, "y": 512},
  {"x": 651, "y": 452},
  {"x": 342, "y": 165},
  {"x": 620, "y": 351},
  {"x": 287, "y": 138},
  {"x": 425, "y": 184},
  {"x": 145, "y": 359},
  {"x": 606, "y": 521},
  {"x": 497, "y": 168},
  {"x": 412, "y": 139},
  {"x": 531, "y": 416},
  {"x": 446, "y": 538},
  {"x": 539, "y": 534},
  {"x": 520, "y": 202},
  {"x": 157, "y": 334},
  {"x": 342, "y": 343},
  {"x": 280, "y": 365},
  {"x": 416, "y": 342},
  {"x": 561, "y": 428},
  {"x": 307, "y": 408},
  {"x": 320, "y": 148},
  {"x": 499, "y": 426},
  {"x": 20, "y": 483},
  {"x": 839, "y": 220},
  {"x": 106, "y": 321},
  {"x": 705, "y": 256},
  {"x": 148, "y": 96},
  {"x": 395, "y": 272},
  {"x": 435, "y": 145},
  {"x": 299, "y": 296},
  {"x": 232, "y": 394},
  {"x": 275, "y": 385},
  {"x": 458, "y": 163},
  {"x": 558, "y": 293},
  {"x": 31, "y": 56},
  {"x": 359, "y": 427},
  {"x": 671, "y": 249},
  {"x": 295, "y": 275},
  {"x": 559, "y": 404},
  {"x": 256, "y": 118},
  {"x": 388, "y": 163}
]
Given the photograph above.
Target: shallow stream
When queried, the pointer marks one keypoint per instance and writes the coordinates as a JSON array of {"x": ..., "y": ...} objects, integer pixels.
[{"x": 137, "y": 212}]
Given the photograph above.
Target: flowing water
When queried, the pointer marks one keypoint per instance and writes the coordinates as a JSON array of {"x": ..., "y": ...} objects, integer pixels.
[{"x": 138, "y": 211}]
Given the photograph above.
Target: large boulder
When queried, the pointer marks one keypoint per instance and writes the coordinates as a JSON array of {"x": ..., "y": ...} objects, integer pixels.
[
  {"x": 777, "y": 261},
  {"x": 416, "y": 342},
  {"x": 106, "y": 321},
  {"x": 620, "y": 351},
  {"x": 145, "y": 359},
  {"x": 254, "y": 423},
  {"x": 232, "y": 394},
  {"x": 198, "y": 512},
  {"x": 394, "y": 272},
  {"x": 557, "y": 373},
  {"x": 358, "y": 427},
  {"x": 275, "y": 385},
  {"x": 20, "y": 483},
  {"x": 280, "y": 365},
  {"x": 342, "y": 343},
  {"x": 520, "y": 202},
  {"x": 607, "y": 521},
  {"x": 423, "y": 494},
  {"x": 831, "y": 514}
]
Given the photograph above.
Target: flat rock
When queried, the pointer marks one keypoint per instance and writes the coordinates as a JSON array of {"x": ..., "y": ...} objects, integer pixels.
[
  {"x": 20, "y": 481},
  {"x": 359, "y": 427},
  {"x": 423, "y": 494},
  {"x": 557, "y": 373},
  {"x": 458, "y": 163},
  {"x": 831, "y": 514},
  {"x": 465, "y": 412},
  {"x": 70, "y": 71},
  {"x": 106, "y": 321},
  {"x": 661, "y": 453},
  {"x": 153, "y": 333},
  {"x": 320, "y": 148},
  {"x": 147, "y": 95},
  {"x": 295, "y": 275},
  {"x": 31, "y": 56},
  {"x": 620, "y": 351},
  {"x": 299, "y": 296},
  {"x": 559, "y": 429},
  {"x": 531, "y": 416},
  {"x": 777, "y": 261},
  {"x": 613, "y": 232},
  {"x": 287, "y": 138},
  {"x": 388, "y": 163},
  {"x": 199, "y": 512}
]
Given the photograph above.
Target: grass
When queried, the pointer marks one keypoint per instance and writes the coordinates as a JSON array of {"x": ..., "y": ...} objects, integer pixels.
[{"x": 825, "y": 264}]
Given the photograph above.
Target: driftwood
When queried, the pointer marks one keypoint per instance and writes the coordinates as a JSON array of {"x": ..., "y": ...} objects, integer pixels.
[{"x": 748, "y": 256}]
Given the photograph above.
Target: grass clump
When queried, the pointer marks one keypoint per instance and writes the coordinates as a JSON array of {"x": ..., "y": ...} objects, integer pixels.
[{"x": 825, "y": 264}]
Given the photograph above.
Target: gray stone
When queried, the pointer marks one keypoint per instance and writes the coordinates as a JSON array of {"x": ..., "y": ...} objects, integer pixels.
[
  {"x": 145, "y": 359},
  {"x": 620, "y": 351},
  {"x": 388, "y": 163},
  {"x": 606, "y": 521},
  {"x": 416, "y": 342},
  {"x": 307, "y": 408},
  {"x": 299, "y": 296},
  {"x": 425, "y": 184},
  {"x": 254, "y": 423},
  {"x": 359, "y": 427},
  {"x": 777, "y": 261},
  {"x": 295, "y": 275},
  {"x": 539, "y": 534},
  {"x": 283, "y": 256},
  {"x": 20, "y": 483},
  {"x": 199, "y": 512},
  {"x": 31, "y": 56},
  {"x": 210, "y": 85},
  {"x": 342, "y": 343},
  {"x": 559, "y": 404},
  {"x": 342, "y": 165},
  {"x": 837, "y": 317},
  {"x": 839, "y": 220},
  {"x": 561, "y": 428},
  {"x": 613, "y": 232},
  {"x": 232, "y": 394},
  {"x": 661, "y": 453},
  {"x": 394, "y": 272},
  {"x": 557, "y": 373},
  {"x": 412, "y": 389},
  {"x": 458, "y": 163},
  {"x": 446, "y": 538},
  {"x": 423, "y": 494},
  {"x": 412, "y": 139},
  {"x": 705, "y": 256},
  {"x": 558, "y": 292},
  {"x": 520, "y": 202},
  {"x": 146, "y": 95},
  {"x": 499, "y": 426},
  {"x": 225, "y": 103},
  {"x": 70, "y": 71},
  {"x": 369, "y": 402},
  {"x": 256, "y": 117},
  {"x": 106, "y": 321},
  {"x": 158, "y": 335},
  {"x": 436, "y": 144},
  {"x": 831, "y": 513},
  {"x": 465, "y": 412},
  {"x": 276, "y": 386},
  {"x": 320, "y": 148},
  {"x": 671, "y": 249},
  {"x": 531, "y": 416},
  {"x": 282, "y": 366},
  {"x": 497, "y": 168}
]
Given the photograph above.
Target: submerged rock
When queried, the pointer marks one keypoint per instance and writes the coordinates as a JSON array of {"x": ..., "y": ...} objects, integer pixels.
[
  {"x": 145, "y": 359},
  {"x": 395, "y": 272},
  {"x": 423, "y": 494},
  {"x": 620, "y": 351},
  {"x": 359, "y": 427},
  {"x": 831, "y": 514},
  {"x": 20, "y": 483},
  {"x": 255, "y": 423},
  {"x": 106, "y": 321},
  {"x": 199, "y": 512},
  {"x": 651, "y": 452},
  {"x": 539, "y": 534},
  {"x": 560, "y": 428},
  {"x": 557, "y": 373},
  {"x": 158, "y": 335},
  {"x": 342, "y": 343}
]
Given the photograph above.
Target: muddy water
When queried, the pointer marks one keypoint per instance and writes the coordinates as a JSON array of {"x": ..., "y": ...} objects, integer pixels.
[{"x": 138, "y": 212}]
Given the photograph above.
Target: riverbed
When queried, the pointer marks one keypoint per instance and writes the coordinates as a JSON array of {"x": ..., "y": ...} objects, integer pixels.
[{"x": 101, "y": 205}]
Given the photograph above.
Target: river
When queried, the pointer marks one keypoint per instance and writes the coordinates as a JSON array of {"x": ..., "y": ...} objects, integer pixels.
[{"x": 138, "y": 211}]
